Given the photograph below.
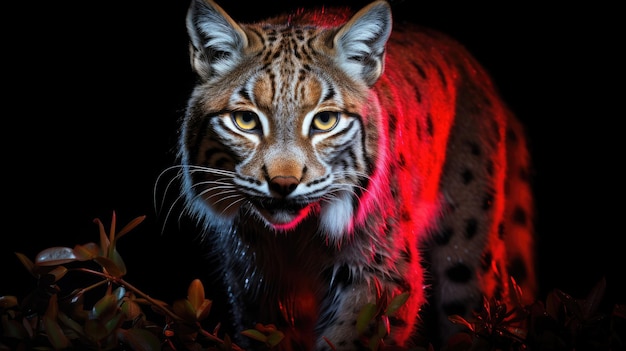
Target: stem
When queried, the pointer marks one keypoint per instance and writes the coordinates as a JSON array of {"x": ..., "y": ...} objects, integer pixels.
[
  {"x": 127, "y": 285},
  {"x": 155, "y": 303}
]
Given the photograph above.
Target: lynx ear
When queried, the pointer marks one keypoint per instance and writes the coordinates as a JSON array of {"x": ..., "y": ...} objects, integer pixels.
[
  {"x": 360, "y": 43},
  {"x": 216, "y": 40}
]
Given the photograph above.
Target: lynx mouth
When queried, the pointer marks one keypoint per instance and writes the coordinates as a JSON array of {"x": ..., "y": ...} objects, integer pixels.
[{"x": 279, "y": 212}]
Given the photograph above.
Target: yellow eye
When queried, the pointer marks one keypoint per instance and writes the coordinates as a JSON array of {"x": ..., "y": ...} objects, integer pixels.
[
  {"x": 246, "y": 120},
  {"x": 325, "y": 121}
]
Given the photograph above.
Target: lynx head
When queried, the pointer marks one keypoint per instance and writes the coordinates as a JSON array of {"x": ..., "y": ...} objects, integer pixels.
[{"x": 279, "y": 126}]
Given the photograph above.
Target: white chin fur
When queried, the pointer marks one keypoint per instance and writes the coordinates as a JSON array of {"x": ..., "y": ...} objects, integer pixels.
[{"x": 336, "y": 216}]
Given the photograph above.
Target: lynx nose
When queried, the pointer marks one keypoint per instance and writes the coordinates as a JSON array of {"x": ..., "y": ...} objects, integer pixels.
[{"x": 284, "y": 185}]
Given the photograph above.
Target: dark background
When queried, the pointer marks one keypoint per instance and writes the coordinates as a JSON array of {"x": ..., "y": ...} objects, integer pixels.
[{"x": 93, "y": 92}]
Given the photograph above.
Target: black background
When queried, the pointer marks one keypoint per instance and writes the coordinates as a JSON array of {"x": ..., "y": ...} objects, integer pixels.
[{"x": 93, "y": 92}]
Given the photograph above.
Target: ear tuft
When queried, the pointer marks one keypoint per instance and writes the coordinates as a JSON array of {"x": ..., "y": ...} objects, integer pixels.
[
  {"x": 360, "y": 43},
  {"x": 216, "y": 40}
]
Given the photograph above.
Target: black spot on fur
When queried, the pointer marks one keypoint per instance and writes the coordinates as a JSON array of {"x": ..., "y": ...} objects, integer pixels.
[
  {"x": 441, "y": 75},
  {"x": 459, "y": 273},
  {"x": 474, "y": 148},
  {"x": 419, "y": 69},
  {"x": 517, "y": 269},
  {"x": 418, "y": 94},
  {"x": 485, "y": 262},
  {"x": 378, "y": 259},
  {"x": 430, "y": 127},
  {"x": 396, "y": 322},
  {"x": 490, "y": 167},
  {"x": 519, "y": 216},
  {"x": 496, "y": 130},
  {"x": 443, "y": 236},
  {"x": 471, "y": 227},
  {"x": 524, "y": 175},
  {"x": 454, "y": 308},
  {"x": 501, "y": 230},
  {"x": 511, "y": 136},
  {"x": 405, "y": 215},
  {"x": 402, "y": 160},
  {"x": 392, "y": 124},
  {"x": 467, "y": 176},
  {"x": 487, "y": 201}
]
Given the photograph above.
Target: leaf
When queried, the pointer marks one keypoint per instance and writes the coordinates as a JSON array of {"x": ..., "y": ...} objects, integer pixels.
[
  {"x": 53, "y": 330},
  {"x": 131, "y": 309},
  {"x": 456, "y": 319},
  {"x": 53, "y": 307},
  {"x": 365, "y": 317},
  {"x": 57, "y": 273},
  {"x": 104, "y": 241},
  {"x": 139, "y": 339},
  {"x": 104, "y": 308},
  {"x": 110, "y": 266},
  {"x": 184, "y": 310},
  {"x": 95, "y": 329},
  {"x": 7, "y": 302},
  {"x": 195, "y": 294},
  {"x": 130, "y": 226},
  {"x": 119, "y": 263},
  {"x": 396, "y": 303},
  {"x": 384, "y": 327},
  {"x": 12, "y": 328},
  {"x": 594, "y": 298},
  {"x": 275, "y": 338},
  {"x": 30, "y": 266},
  {"x": 86, "y": 252},
  {"x": 54, "y": 256},
  {"x": 55, "y": 334},
  {"x": 70, "y": 323},
  {"x": 112, "y": 234},
  {"x": 255, "y": 334},
  {"x": 203, "y": 311},
  {"x": 112, "y": 324}
]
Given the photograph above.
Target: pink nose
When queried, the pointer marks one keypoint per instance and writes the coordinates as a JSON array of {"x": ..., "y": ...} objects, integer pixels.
[{"x": 283, "y": 185}]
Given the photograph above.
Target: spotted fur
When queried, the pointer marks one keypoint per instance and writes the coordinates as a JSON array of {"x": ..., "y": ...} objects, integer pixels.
[{"x": 334, "y": 162}]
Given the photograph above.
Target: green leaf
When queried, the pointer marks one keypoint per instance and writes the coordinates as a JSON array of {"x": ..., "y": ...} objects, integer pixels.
[
  {"x": 365, "y": 317},
  {"x": 112, "y": 324},
  {"x": 95, "y": 329},
  {"x": 54, "y": 333},
  {"x": 119, "y": 262},
  {"x": 396, "y": 303},
  {"x": 275, "y": 338},
  {"x": 255, "y": 334},
  {"x": 105, "y": 307},
  {"x": 139, "y": 339},
  {"x": 131, "y": 309},
  {"x": 70, "y": 323},
  {"x": 384, "y": 326},
  {"x": 12, "y": 328},
  {"x": 184, "y": 310},
  {"x": 54, "y": 256},
  {"x": 374, "y": 344}
]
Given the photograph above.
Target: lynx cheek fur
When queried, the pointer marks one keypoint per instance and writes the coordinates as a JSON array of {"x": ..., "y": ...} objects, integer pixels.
[{"x": 335, "y": 162}]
